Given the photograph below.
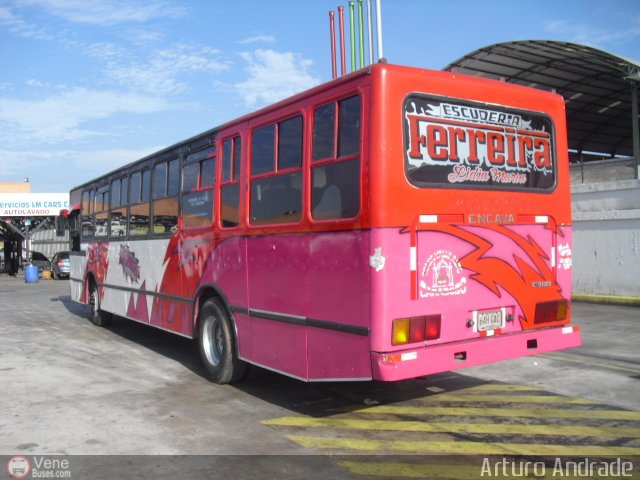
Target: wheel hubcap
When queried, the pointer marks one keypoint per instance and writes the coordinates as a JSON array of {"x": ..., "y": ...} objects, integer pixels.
[{"x": 213, "y": 341}]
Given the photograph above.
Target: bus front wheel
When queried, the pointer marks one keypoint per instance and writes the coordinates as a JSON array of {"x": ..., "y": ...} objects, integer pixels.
[
  {"x": 98, "y": 317},
  {"x": 217, "y": 346}
]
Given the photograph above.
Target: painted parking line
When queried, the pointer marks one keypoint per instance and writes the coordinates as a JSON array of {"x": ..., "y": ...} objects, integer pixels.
[
  {"x": 506, "y": 399},
  {"x": 434, "y": 470},
  {"x": 500, "y": 387},
  {"x": 440, "y": 427},
  {"x": 494, "y": 419},
  {"x": 501, "y": 412},
  {"x": 461, "y": 447}
]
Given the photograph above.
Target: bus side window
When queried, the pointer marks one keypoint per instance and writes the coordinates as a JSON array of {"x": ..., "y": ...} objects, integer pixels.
[
  {"x": 335, "y": 174},
  {"x": 166, "y": 183},
  {"x": 276, "y": 171},
  {"x": 198, "y": 179},
  {"x": 88, "y": 229},
  {"x": 118, "y": 222},
  {"x": 101, "y": 209},
  {"x": 74, "y": 230},
  {"x": 230, "y": 183},
  {"x": 139, "y": 189}
]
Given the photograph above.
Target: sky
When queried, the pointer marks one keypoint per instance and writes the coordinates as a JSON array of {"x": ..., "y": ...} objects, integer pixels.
[{"x": 87, "y": 86}]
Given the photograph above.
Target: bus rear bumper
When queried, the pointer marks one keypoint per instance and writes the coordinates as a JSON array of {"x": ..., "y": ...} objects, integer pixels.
[{"x": 420, "y": 361}]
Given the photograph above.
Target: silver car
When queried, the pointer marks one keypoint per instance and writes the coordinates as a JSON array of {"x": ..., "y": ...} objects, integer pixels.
[{"x": 60, "y": 266}]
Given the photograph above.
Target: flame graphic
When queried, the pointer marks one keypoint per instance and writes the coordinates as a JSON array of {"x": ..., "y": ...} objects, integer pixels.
[{"x": 496, "y": 274}]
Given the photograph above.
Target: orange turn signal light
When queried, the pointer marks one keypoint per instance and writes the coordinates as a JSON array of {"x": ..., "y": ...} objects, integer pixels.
[
  {"x": 554, "y": 311},
  {"x": 415, "y": 329}
]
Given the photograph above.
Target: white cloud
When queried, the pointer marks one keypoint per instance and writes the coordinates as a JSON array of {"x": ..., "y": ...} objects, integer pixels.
[
  {"x": 594, "y": 36},
  {"x": 32, "y": 82},
  {"x": 107, "y": 12},
  {"x": 61, "y": 117},
  {"x": 20, "y": 27},
  {"x": 165, "y": 72},
  {"x": 78, "y": 166},
  {"x": 274, "y": 76},
  {"x": 257, "y": 39}
]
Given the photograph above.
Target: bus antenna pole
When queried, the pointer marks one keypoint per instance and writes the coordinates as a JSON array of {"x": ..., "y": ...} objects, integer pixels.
[
  {"x": 379, "y": 31},
  {"x": 343, "y": 53},
  {"x": 332, "y": 28},
  {"x": 370, "y": 31},
  {"x": 352, "y": 34}
]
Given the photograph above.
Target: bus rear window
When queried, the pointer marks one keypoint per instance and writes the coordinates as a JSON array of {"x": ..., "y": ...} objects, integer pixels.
[{"x": 463, "y": 144}]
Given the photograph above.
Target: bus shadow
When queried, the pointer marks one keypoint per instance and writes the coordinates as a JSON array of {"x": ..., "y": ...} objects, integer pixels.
[
  {"x": 167, "y": 344},
  {"x": 72, "y": 307},
  {"x": 315, "y": 399},
  {"x": 325, "y": 399}
]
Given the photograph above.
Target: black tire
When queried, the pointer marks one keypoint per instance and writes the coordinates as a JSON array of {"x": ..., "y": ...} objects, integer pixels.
[
  {"x": 216, "y": 341},
  {"x": 98, "y": 317}
]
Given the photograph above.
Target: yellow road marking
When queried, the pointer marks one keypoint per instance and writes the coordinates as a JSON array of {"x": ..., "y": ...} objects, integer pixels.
[
  {"x": 426, "y": 470},
  {"x": 500, "y": 387},
  {"x": 461, "y": 447},
  {"x": 482, "y": 428},
  {"x": 502, "y": 412},
  {"x": 409, "y": 470},
  {"x": 450, "y": 397}
]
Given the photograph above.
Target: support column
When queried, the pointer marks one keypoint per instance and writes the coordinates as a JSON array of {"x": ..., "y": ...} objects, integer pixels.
[{"x": 636, "y": 130}]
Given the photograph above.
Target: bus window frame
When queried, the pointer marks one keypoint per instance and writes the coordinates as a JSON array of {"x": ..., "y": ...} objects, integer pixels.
[
  {"x": 130, "y": 205},
  {"x": 200, "y": 188},
  {"x": 103, "y": 191},
  {"x": 323, "y": 162},
  {"x": 166, "y": 194},
  {"x": 123, "y": 204},
  {"x": 86, "y": 214},
  {"x": 277, "y": 172},
  {"x": 235, "y": 174}
]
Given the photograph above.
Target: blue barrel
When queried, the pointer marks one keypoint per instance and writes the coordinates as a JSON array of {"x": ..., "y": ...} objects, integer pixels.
[{"x": 31, "y": 274}]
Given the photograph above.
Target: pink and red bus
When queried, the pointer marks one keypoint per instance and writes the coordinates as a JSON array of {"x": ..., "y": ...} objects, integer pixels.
[{"x": 392, "y": 223}]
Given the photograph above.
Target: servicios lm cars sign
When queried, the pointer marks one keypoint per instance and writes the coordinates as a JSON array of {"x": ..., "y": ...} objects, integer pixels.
[{"x": 32, "y": 204}]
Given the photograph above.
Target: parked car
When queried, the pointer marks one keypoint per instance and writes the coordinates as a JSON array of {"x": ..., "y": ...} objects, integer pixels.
[
  {"x": 60, "y": 265},
  {"x": 41, "y": 261}
]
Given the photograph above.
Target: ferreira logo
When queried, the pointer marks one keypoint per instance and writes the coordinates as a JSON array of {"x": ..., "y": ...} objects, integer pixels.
[
  {"x": 130, "y": 264},
  {"x": 471, "y": 143},
  {"x": 442, "y": 275}
]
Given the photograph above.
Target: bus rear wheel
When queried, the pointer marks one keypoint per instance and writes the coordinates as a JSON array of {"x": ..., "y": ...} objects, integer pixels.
[
  {"x": 217, "y": 345},
  {"x": 98, "y": 317}
]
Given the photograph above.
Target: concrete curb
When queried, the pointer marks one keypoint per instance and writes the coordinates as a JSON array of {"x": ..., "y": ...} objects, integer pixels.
[{"x": 607, "y": 299}]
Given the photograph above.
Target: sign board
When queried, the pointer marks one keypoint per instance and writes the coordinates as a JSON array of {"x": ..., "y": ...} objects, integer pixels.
[
  {"x": 32, "y": 204},
  {"x": 454, "y": 142}
]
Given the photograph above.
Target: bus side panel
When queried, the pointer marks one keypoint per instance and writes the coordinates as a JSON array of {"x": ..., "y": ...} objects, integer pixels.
[
  {"x": 78, "y": 261},
  {"x": 308, "y": 295},
  {"x": 277, "y": 270},
  {"x": 226, "y": 270},
  {"x": 563, "y": 258},
  {"x": 131, "y": 275},
  {"x": 339, "y": 278}
]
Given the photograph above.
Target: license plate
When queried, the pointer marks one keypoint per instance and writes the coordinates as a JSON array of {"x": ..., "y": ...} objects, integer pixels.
[{"x": 490, "y": 320}]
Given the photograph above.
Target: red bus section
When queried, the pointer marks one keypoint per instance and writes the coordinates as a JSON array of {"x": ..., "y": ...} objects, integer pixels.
[{"x": 390, "y": 224}]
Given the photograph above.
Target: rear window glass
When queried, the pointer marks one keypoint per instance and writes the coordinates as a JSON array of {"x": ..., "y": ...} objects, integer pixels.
[{"x": 458, "y": 143}]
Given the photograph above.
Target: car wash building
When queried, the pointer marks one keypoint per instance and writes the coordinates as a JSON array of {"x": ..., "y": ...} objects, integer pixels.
[{"x": 30, "y": 225}]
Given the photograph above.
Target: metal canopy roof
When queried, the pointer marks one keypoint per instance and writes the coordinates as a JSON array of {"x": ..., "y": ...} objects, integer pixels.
[{"x": 595, "y": 85}]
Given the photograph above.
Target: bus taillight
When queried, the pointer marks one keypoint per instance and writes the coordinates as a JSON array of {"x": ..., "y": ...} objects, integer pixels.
[
  {"x": 415, "y": 329},
  {"x": 553, "y": 311}
]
